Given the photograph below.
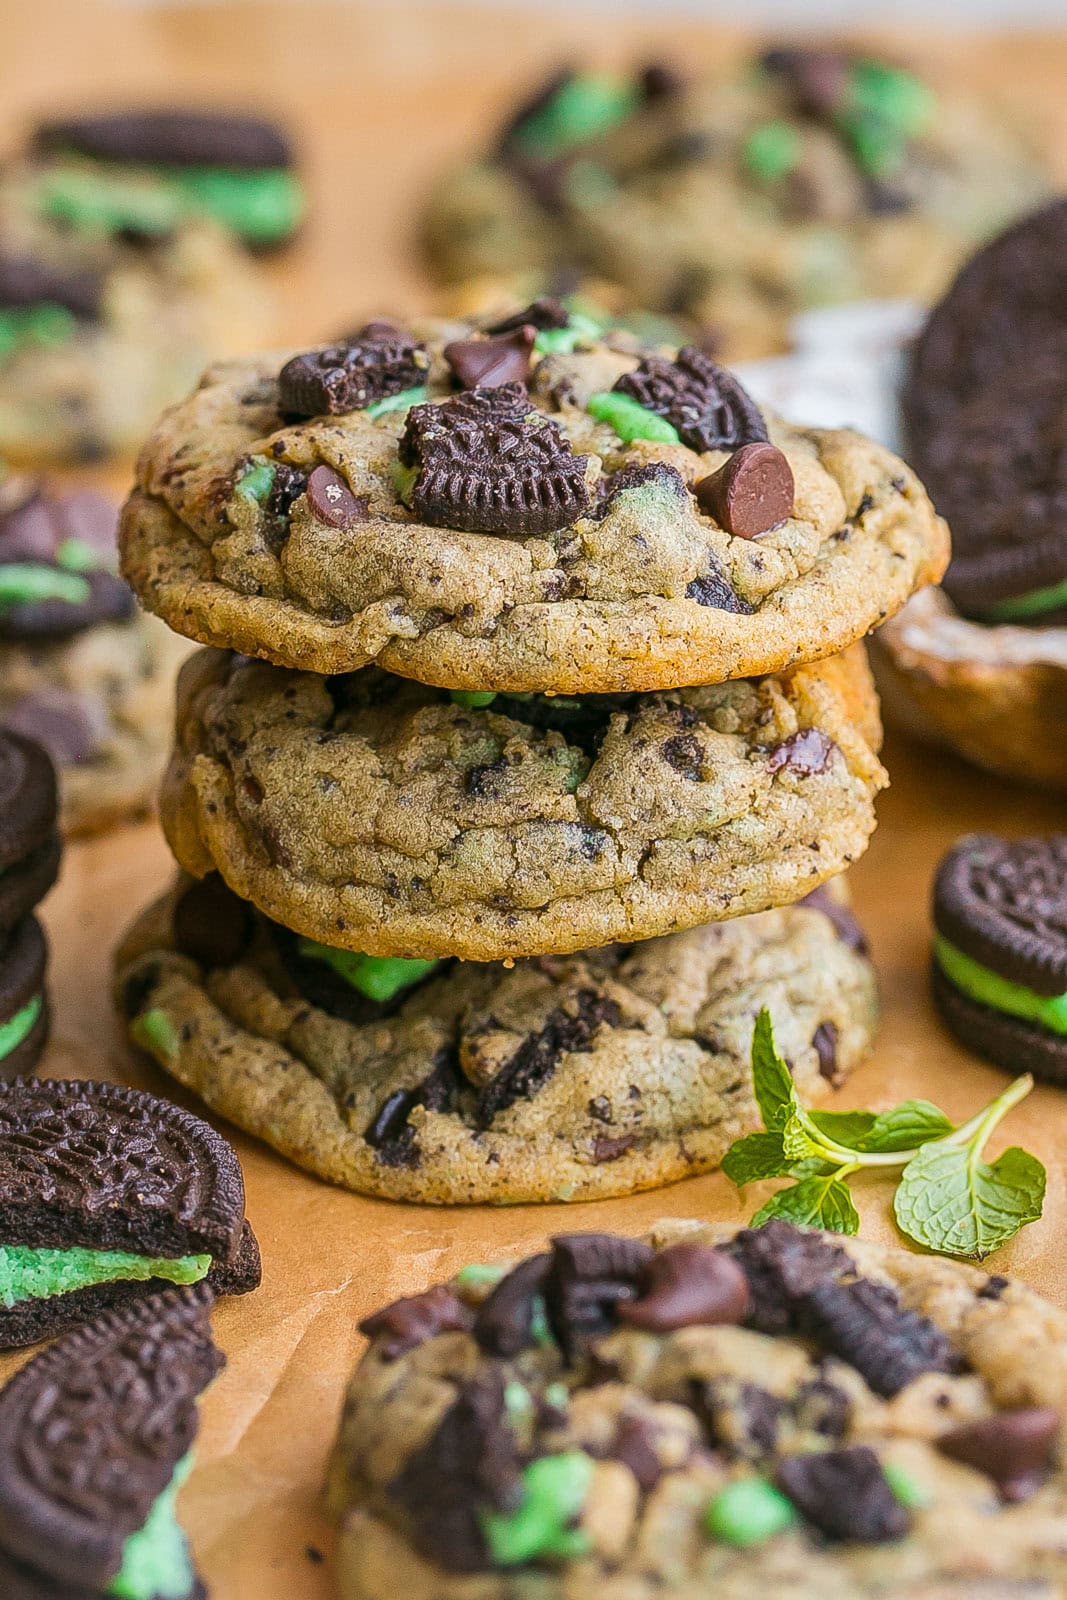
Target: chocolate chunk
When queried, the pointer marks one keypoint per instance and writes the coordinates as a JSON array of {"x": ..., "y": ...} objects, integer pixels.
[
  {"x": 713, "y": 590},
  {"x": 389, "y": 1131},
  {"x": 687, "y": 1284},
  {"x": 350, "y": 377},
  {"x": 845, "y": 1494},
  {"x": 1003, "y": 902},
  {"x": 685, "y": 753},
  {"x": 25, "y": 281},
  {"x": 28, "y": 800},
  {"x": 590, "y": 1275},
  {"x": 542, "y": 314},
  {"x": 565, "y": 1031},
  {"x": 704, "y": 401},
  {"x": 807, "y": 752},
  {"x": 332, "y": 501},
  {"x": 490, "y": 463},
  {"x": 608, "y": 1147},
  {"x": 410, "y": 1321},
  {"x": 842, "y": 917},
  {"x": 751, "y": 493},
  {"x": 863, "y": 1323},
  {"x": 1014, "y": 1448},
  {"x": 635, "y": 1446},
  {"x": 505, "y": 1320},
  {"x": 825, "y": 1043},
  {"x": 783, "y": 1264},
  {"x": 467, "y": 1464},
  {"x": 92, "y": 1432},
  {"x": 660, "y": 81},
  {"x": 211, "y": 924},
  {"x": 181, "y": 138},
  {"x": 489, "y": 363}
]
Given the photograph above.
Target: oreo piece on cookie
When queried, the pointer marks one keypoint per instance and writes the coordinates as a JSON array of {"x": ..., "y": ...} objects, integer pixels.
[
  {"x": 987, "y": 423},
  {"x": 96, "y": 1435},
  {"x": 708, "y": 406},
  {"x": 375, "y": 364},
  {"x": 108, "y": 1194},
  {"x": 1000, "y": 950},
  {"x": 488, "y": 461}
]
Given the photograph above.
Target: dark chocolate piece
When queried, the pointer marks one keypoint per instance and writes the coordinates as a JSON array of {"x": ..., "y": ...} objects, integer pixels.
[
  {"x": 332, "y": 501},
  {"x": 1014, "y": 1448},
  {"x": 751, "y": 493},
  {"x": 490, "y": 362},
  {"x": 379, "y": 362},
  {"x": 687, "y": 1284}
]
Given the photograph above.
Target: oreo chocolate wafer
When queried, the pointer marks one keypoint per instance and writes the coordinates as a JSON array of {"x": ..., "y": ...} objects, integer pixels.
[
  {"x": 1000, "y": 950},
  {"x": 239, "y": 169},
  {"x": 96, "y": 1435},
  {"x": 986, "y": 418},
  {"x": 107, "y": 1195}
]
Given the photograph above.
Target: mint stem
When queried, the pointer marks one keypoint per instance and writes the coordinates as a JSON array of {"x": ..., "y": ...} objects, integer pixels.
[{"x": 978, "y": 1128}]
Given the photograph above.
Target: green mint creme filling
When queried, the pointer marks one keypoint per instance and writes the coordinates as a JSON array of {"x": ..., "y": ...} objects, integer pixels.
[
  {"x": 990, "y": 989},
  {"x": 29, "y": 1273},
  {"x": 155, "y": 1559},
  {"x": 261, "y": 206},
  {"x": 582, "y": 108},
  {"x": 630, "y": 419},
  {"x": 376, "y": 977},
  {"x": 1022, "y": 606},
  {"x": 43, "y": 325},
  {"x": 19, "y": 1027},
  {"x": 24, "y": 582}
]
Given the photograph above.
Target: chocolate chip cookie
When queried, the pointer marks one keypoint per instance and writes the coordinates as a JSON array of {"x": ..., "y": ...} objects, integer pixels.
[
  {"x": 563, "y": 1077},
  {"x": 82, "y": 671},
  {"x": 775, "y": 1411},
  {"x": 521, "y": 506},
  {"x": 799, "y": 178},
  {"x": 111, "y": 303},
  {"x": 384, "y": 817}
]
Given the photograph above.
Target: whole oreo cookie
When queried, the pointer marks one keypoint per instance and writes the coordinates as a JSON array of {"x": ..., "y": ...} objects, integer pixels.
[
  {"x": 94, "y": 1434},
  {"x": 27, "y": 799},
  {"x": 987, "y": 423},
  {"x": 25, "y": 884},
  {"x": 24, "y": 1011},
  {"x": 1000, "y": 953},
  {"x": 182, "y": 138}
]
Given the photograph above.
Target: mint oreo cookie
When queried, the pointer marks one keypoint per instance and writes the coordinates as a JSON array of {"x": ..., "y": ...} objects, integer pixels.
[
  {"x": 96, "y": 1437},
  {"x": 107, "y": 1195},
  {"x": 1000, "y": 950}
]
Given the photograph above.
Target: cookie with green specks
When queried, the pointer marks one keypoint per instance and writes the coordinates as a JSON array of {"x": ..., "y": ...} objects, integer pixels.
[
  {"x": 381, "y": 816},
  {"x": 533, "y": 505},
  {"x": 564, "y": 1077},
  {"x": 707, "y": 1412},
  {"x": 797, "y": 178}
]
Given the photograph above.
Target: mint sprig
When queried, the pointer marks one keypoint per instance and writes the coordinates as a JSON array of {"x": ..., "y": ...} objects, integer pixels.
[{"x": 949, "y": 1199}]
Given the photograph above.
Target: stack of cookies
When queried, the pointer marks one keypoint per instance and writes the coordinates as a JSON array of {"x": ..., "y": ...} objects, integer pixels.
[{"x": 548, "y": 735}]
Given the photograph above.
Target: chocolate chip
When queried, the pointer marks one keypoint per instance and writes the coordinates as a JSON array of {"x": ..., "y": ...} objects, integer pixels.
[
  {"x": 685, "y": 753},
  {"x": 410, "y": 1321},
  {"x": 713, "y": 590},
  {"x": 504, "y": 1322},
  {"x": 1014, "y": 1448},
  {"x": 704, "y": 401},
  {"x": 490, "y": 463},
  {"x": 751, "y": 493},
  {"x": 590, "y": 1276},
  {"x": 825, "y": 1042},
  {"x": 542, "y": 314},
  {"x": 566, "y": 1030},
  {"x": 380, "y": 362},
  {"x": 659, "y": 81},
  {"x": 211, "y": 924},
  {"x": 491, "y": 362},
  {"x": 609, "y": 1148},
  {"x": 332, "y": 501},
  {"x": 635, "y": 1446},
  {"x": 807, "y": 752},
  {"x": 993, "y": 1287},
  {"x": 684, "y": 1285},
  {"x": 845, "y": 1494}
]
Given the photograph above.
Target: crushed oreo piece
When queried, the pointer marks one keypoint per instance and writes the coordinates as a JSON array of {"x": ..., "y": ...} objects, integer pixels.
[
  {"x": 565, "y": 1030},
  {"x": 821, "y": 1407},
  {"x": 783, "y": 1264},
  {"x": 412, "y": 1320},
  {"x": 169, "y": 138},
  {"x": 389, "y": 1131},
  {"x": 488, "y": 363},
  {"x": 589, "y": 1277},
  {"x": 742, "y": 1419},
  {"x": 381, "y": 361},
  {"x": 705, "y": 402},
  {"x": 863, "y": 1323},
  {"x": 504, "y": 1324},
  {"x": 713, "y": 590},
  {"x": 490, "y": 463},
  {"x": 845, "y": 1494}
]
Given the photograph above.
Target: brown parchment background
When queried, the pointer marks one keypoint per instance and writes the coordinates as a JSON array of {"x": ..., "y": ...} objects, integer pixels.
[{"x": 379, "y": 96}]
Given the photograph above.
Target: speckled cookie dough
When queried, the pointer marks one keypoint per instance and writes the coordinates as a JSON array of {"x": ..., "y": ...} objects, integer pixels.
[
  {"x": 775, "y": 1412},
  {"x": 575, "y": 535},
  {"x": 556, "y": 1079},
  {"x": 803, "y": 178},
  {"x": 108, "y": 312},
  {"x": 373, "y": 813}
]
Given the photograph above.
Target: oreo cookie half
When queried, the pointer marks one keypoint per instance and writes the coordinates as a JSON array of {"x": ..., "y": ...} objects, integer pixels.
[
  {"x": 95, "y": 1439},
  {"x": 107, "y": 1195},
  {"x": 25, "y": 884},
  {"x": 27, "y": 799},
  {"x": 986, "y": 421},
  {"x": 1000, "y": 951}
]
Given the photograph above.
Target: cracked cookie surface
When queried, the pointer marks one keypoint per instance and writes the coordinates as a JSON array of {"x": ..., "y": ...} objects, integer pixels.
[
  {"x": 707, "y": 1411},
  {"x": 560, "y": 1078},
  {"x": 378, "y": 815},
  {"x": 326, "y": 542}
]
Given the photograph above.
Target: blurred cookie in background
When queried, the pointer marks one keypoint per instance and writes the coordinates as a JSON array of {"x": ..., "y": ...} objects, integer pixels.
[
  {"x": 806, "y": 177},
  {"x": 82, "y": 671}
]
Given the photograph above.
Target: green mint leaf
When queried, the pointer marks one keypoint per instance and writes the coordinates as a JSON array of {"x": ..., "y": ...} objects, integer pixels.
[
  {"x": 771, "y": 1078},
  {"x": 797, "y": 1141},
  {"x": 756, "y": 1156},
  {"x": 813, "y": 1167},
  {"x": 951, "y": 1201},
  {"x": 905, "y": 1127},
  {"x": 813, "y": 1203},
  {"x": 845, "y": 1127}
]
